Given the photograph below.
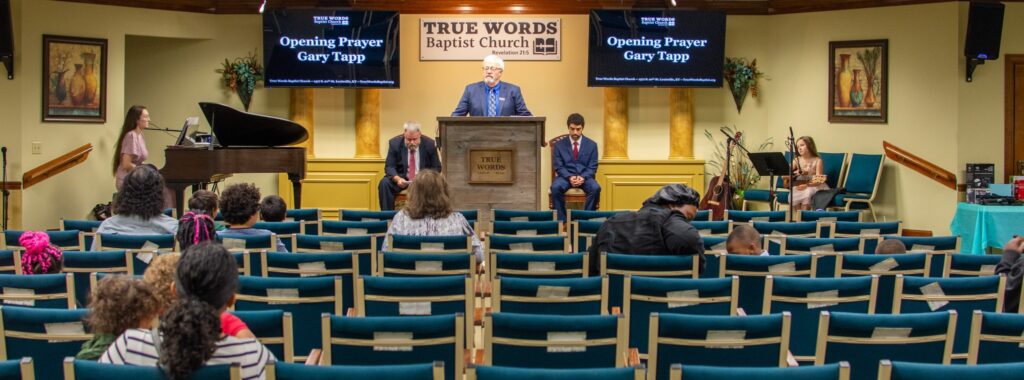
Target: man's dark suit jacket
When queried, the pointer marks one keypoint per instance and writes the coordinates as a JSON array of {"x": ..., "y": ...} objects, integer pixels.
[
  {"x": 585, "y": 166},
  {"x": 474, "y": 101},
  {"x": 397, "y": 162}
]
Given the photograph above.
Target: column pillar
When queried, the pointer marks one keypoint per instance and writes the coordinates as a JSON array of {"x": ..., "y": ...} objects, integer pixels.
[
  {"x": 616, "y": 123},
  {"x": 368, "y": 123},
  {"x": 680, "y": 117},
  {"x": 301, "y": 112}
]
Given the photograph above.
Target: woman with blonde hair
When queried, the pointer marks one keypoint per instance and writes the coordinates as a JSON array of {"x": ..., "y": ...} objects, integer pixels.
[{"x": 428, "y": 212}]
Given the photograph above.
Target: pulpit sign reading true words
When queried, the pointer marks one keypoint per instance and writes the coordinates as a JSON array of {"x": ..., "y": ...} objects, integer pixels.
[{"x": 492, "y": 166}]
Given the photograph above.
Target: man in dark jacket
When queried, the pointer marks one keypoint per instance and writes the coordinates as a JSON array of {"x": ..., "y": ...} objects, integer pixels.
[
  {"x": 1013, "y": 268},
  {"x": 660, "y": 227}
]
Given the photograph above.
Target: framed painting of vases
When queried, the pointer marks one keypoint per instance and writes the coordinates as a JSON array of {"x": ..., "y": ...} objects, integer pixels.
[
  {"x": 858, "y": 81},
  {"x": 74, "y": 79}
]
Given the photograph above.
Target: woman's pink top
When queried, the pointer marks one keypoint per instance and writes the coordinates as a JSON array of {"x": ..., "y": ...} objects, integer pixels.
[{"x": 134, "y": 145}]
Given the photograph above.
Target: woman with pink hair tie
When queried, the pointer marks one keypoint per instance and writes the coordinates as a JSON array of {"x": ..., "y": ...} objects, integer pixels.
[{"x": 40, "y": 257}]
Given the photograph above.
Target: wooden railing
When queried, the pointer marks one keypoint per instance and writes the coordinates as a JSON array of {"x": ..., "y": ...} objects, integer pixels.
[
  {"x": 56, "y": 166},
  {"x": 920, "y": 165}
]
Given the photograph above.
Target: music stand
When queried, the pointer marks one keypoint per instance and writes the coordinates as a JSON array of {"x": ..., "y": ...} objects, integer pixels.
[{"x": 770, "y": 164}]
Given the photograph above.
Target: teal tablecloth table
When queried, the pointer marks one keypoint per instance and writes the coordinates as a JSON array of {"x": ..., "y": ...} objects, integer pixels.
[{"x": 981, "y": 226}]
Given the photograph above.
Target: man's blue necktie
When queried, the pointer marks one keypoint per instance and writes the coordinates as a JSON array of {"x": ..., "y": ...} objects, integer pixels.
[{"x": 492, "y": 102}]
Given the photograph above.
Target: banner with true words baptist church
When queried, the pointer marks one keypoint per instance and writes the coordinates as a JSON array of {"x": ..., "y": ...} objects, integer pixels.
[{"x": 471, "y": 39}]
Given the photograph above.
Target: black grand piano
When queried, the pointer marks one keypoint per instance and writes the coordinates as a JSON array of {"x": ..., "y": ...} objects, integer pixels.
[{"x": 249, "y": 143}]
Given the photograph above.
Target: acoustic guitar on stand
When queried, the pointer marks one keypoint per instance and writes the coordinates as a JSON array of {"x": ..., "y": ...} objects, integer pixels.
[{"x": 720, "y": 189}]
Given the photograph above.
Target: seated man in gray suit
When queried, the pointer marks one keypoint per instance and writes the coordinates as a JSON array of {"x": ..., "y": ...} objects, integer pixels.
[
  {"x": 492, "y": 97},
  {"x": 408, "y": 154}
]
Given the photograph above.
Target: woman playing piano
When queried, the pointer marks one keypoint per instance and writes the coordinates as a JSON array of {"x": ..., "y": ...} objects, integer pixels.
[
  {"x": 809, "y": 170},
  {"x": 130, "y": 150}
]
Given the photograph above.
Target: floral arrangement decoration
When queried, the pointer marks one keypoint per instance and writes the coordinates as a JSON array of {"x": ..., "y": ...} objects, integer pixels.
[
  {"x": 742, "y": 77},
  {"x": 241, "y": 76}
]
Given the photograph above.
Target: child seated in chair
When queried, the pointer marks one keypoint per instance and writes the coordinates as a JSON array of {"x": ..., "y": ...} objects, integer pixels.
[
  {"x": 117, "y": 304},
  {"x": 240, "y": 205},
  {"x": 273, "y": 209},
  {"x": 40, "y": 256},
  {"x": 205, "y": 201}
]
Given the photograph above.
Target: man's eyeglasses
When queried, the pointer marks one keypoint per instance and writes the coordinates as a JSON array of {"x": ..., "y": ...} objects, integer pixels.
[{"x": 491, "y": 68}]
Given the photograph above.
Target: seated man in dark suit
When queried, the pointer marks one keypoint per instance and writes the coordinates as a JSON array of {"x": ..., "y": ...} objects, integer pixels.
[
  {"x": 408, "y": 153},
  {"x": 575, "y": 164},
  {"x": 492, "y": 97}
]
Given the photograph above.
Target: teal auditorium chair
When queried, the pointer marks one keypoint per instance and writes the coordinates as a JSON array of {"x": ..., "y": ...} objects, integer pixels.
[
  {"x": 75, "y": 369},
  {"x": 714, "y": 254},
  {"x": 418, "y": 243},
  {"x": 752, "y": 271},
  {"x": 251, "y": 243},
  {"x": 837, "y": 371},
  {"x": 304, "y": 297},
  {"x": 964, "y": 295},
  {"x": 806, "y": 298},
  {"x": 365, "y": 216},
  {"x": 828, "y": 216},
  {"x": 555, "y": 341},
  {"x": 309, "y": 217},
  {"x": 45, "y": 335},
  {"x": 617, "y": 266},
  {"x": 889, "y": 370},
  {"x": 143, "y": 247},
  {"x": 763, "y": 195},
  {"x": 9, "y": 262},
  {"x": 81, "y": 264},
  {"x": 289, "y": 265},
  {"x": 594, "y": 215},
  {"x": 716, "y": 228},
  {"x": 755, "y": 216},
  {"x": 60, "y": 239},
  {"x": 735, "y": 341},
  {"x": 996, "y": 338},
  {"x": 584, "y": 232},
  {"x": 539, "y": 265},
  {"x": 524, "y": 244},
  {"x": 527, "y": 228},
  {"x": 863, "y": 339},
  {"x": 285, "y": 231},
  {"x": 826, "y": 248},
  {"x": 86, "y": 230},
  {"x": 50, "y": 291},
  {"x": 702, "y": 215},
  {"x": 861, "y": 183},
  {"x": 17, "y": 369},
  {"x": 274, "y": 329},
  {"x": 871, "y": 232},
  {"x": 646, "y": 295},
  {"x": 937, "y": 247},
  {"x": 389, "y": 341},
  {"x": 416, "y": 296},
  {"x": 364, "y": 246},
  {"x": 289, "y": 371},
  {"x": 965, "y": 265},
  {"x": 886, "y": 267},
  {"x": 551, "y": 296},
  {"x": 483, "y": 372},
  {"x": 346, "y": 227},
  {"x": 834, "y": 166},
  {"x": 774, "y": 232},
  {"x": 398, "y": 264},
  {"x": 500, "y": 215}
]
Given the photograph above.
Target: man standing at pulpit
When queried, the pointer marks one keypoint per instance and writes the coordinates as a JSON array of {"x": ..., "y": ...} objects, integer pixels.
[
  {"x": 408, "y": 153},
  {"x": 492, "y": 97},
  {"x": 575, "y": 164}
]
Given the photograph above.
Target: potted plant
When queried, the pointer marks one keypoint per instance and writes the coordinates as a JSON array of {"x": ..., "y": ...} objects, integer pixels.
[
  {"x": 241, "y": 76},
  {"x": 741, "y": 171},
  {"x": 742, "y": 78}
]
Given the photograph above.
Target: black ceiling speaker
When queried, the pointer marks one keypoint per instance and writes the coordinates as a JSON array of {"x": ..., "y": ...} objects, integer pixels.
[{"x": 984, "y": 32}]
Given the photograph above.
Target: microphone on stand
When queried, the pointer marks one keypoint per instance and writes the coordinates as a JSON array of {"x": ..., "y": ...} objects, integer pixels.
[
  {"x": 3, "y": 186},
  {"x": 157, "y": 128}
]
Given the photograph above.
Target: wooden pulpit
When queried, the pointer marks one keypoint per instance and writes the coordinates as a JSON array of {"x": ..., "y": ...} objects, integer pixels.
[{"x": 492, "y": 162}]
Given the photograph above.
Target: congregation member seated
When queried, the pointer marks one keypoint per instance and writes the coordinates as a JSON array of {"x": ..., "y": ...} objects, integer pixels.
[
  {"x": 188, "y": 338},
  {"x": 660, "y": 227},
  {"x": 40, "y": 256},
  {"x": 118, "y": 303},
  {"x": 1012, "y": 267},
  {"x": 205, "y": 201},
  {"x": 240, "y": 205},
  {"x": 273, "y": 209},
  {"x": 744, "y": 240},
  {"x": 194, "y": 227},
  {"x": 160, "y": 276},
  {"x": 575, "y": 165},
  {"x": 429, "y": 212},
  {"x": 890, "y": 246},
  {"x": 139, "y": 206}
]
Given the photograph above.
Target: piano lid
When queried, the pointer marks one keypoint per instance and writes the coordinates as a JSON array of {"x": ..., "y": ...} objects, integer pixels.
[{"x": 236, "y": 128}]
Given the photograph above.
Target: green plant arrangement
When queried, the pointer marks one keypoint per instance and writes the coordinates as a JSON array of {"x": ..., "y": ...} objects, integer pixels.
[
  {"x": 241, "y": 76},
  {"x": 741, "y": 170},
  {"x": 742, "y": 78}
]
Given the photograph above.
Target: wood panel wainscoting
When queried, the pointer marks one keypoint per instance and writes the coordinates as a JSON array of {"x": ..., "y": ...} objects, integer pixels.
[
  {"x": 337, "y": 183},
  {"x": 625, "y": 184}
]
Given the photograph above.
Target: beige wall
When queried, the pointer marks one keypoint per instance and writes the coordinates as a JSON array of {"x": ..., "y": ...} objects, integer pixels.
[{"x": 166, "y": 60}]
